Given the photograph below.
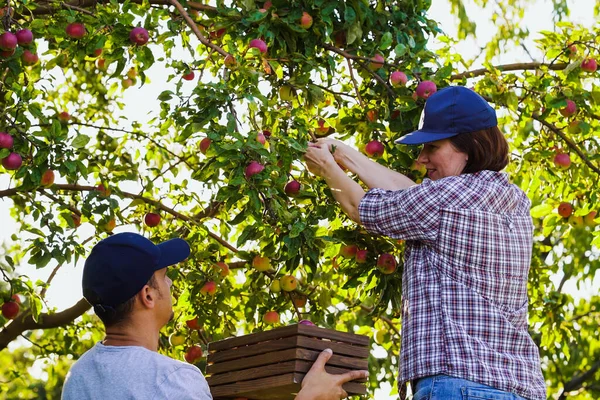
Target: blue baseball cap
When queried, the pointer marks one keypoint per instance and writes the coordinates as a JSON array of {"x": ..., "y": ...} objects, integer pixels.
[
  {"x": 119, "y": 266},
  {"x": 449, "y": 112}
]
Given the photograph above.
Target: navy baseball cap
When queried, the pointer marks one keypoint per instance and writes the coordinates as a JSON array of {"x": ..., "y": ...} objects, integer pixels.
[
  {"x": 119, "y": 266},
  {"x": 451, "y": 111}
]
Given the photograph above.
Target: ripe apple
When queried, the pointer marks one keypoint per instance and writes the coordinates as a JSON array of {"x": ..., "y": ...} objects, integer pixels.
[
  {"x": 75, "y": 30},
  {"x": 348, "y": 251},
  {"x": 374, "y": 149},
  {"x": 176, "y": 339},
  {"x": 589, "y": 65},
  {"x": 371, "y": 115},
  {"x": 47, "y": 178},
  {"x": 189, "y": 76},
  {"x": 569, "y": 110},
  {"x": 29, "y": 58},
  {"x": 562, "y": 160},
  {"x": 217, "y": 34},
  {"x": 288, "y": 283},
  {"x": 193, "y": 354},
  {"x": 292, "y": 188},
  {"x": 565, "y": 209},
  {"x": 209, "y": 287},
  {"x": 588, "y": 220},
  {"x": 110, "y": 225},
  {"x": 306, "y": 322},
  {"x": 76, "y": 219},
  {"x": 7, "y": 53},
  {"x": 425, "y": 89},
  {"x": 223, "y": 268},
  {"x": 260, "y": 138},
  {"x": 271, "y": 317},
  {"x": 376, "y": 62},
  {"x": 253, "y": 168},
  {"x": 267, "y": 134},
  {"x": 230, "y": 62},
  {"x": 8, "y": 41},
  {"x": 6, "y": 141},
  {"x": 287, "y": 93},
  {"x": 12, "y": 162},
  {"x": 275, "y": 286},
  {"x": 261, "y": 264},
  {"x": 64, "y": 116},
  {"x": 322, "y": 129},
  {"x": 258, "y": 44},
  {"x": 386, "y": 263},
  {"x": 97, "y": 52},
  {"x": 299, "y": 300},
  {"x": 306, "y": 20},
  {"x": 204, "y": 145},
  {"x": 24, "y": 37},
  {"x": 139, "y": 36},
  {"x": 361, "y": 256},
  {"x": 103, "y": 189},
  {"x": 152, "y": 219},
  {"x": 398, "y": 78},
  {"x": 127, "y": 82},
  {"x": 193, "y": 324},
  {"x": 571, "y": 50},
  {"x": 10, "y": 309},
  {"x": 16, "y": 298},
  {"x": 340, "y": 38},
  {"x": 101, "y": 64}
]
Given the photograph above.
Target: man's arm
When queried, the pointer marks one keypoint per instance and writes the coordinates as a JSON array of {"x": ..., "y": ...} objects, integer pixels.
[{"x": 319, "y": 385}]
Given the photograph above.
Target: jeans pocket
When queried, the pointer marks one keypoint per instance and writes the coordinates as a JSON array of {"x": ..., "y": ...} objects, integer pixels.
[{"x": 485, "y": 394}]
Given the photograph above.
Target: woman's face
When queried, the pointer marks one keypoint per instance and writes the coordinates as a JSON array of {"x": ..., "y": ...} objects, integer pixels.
[{"x": 442, "y": 159}]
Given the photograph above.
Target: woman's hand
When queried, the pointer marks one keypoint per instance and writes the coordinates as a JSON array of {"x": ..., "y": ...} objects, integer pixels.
[{"x": 318, "y": 157}]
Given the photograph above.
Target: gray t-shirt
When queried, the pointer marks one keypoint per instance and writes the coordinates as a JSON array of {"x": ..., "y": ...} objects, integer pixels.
[{"x": 132, "y": 372}]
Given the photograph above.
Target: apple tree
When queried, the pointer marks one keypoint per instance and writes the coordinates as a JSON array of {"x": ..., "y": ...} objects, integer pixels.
[{"x": 215, "y": 157}]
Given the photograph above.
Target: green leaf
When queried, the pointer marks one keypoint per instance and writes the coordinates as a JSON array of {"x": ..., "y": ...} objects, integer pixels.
[
  {"x": 80, "y": 141},
  {"x": 386, "y": 41}
]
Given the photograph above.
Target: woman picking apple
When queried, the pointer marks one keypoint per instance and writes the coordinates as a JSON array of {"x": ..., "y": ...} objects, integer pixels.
[{"x": 468, "y": 234}]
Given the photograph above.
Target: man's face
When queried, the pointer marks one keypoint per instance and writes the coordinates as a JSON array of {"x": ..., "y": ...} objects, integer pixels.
[{"x": 163, "y": 287}]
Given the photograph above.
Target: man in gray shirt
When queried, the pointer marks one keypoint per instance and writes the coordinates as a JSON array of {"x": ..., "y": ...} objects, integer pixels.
[{"x": 125, "y": 280}]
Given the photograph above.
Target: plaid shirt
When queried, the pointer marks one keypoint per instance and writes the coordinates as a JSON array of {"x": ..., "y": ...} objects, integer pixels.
[{"x": 464, "y": 286}]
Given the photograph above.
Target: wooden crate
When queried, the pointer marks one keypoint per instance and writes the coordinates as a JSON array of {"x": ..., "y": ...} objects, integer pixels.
[{"x": 271, "y": 365}]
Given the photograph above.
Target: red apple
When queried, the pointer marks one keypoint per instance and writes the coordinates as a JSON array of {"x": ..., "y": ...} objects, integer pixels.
[
  {"x": 230, "y": 61},
  {"x": 97, "y": 52},
  {"x": 6, "y": 141},
  {"x": 8, "y": 41},
  {"x": 7, "y": 53},
  {"x": 340, "y": 38},
  {"x": 376, "y": 62},
  {"x": 386, "y": 263},
  {"x": 217, "y": 34},
  {"x": 193, "y": 324},
  {"x": 292, "y": 188},
  {"x": 571, "y": 50},
  {"x": 372, "y": 115},
  {"x": 110, "y": 225},
  {"x": 562, "y": 160},
  {"x": 253, "y": 168},
  {"x": 361, "y": 256},
  {"x": 261, "y": 264},
  {"x": 306, "y": 20},
  {"x": 47, "y": 178},
  {"x": 348, "y": 251},
  {"x": 127, "y": 82},
  {"x": 398, "y": 78},
  {"x": 260, "y": 138},
  {"x": 193, "y": 354},
  {"x": 223, "y": 268},
  {"x": 589, "y": 65},
  {"x": 569, "y": 110},
  {"x": 101, "y": 64},
  {"x": 103, "y": 189},
  {"x": 29, "y": 58},
  {"x": 204, "y": 145},
  {"x": 425, "y": 89},
  {"x": 75, "y": 30},
  {"x": 152, "y": 219},
  {"x": 16, "y": 298},
  {"x": 374, "y": 148},
  {"x": 24, "y": 37},
  {"x": 209, "y": 288},
  {"x": 12, "y": 161},
  {"x": 189, "y": 76},
  {"x": 322, "y": 129},
  {"x": 266, "y": 133},
  {"x": 565, "y": 209},
  {"x": 299, "y": 300},
  {"x": 258, "y": 44},
  {"x": 306, "y": 322},
  {"x": 64, "y": 116},
  {"x": 139, "y": 36},
  {"x": 10, "y": 309},
  {"x": 76, "y": 219},
  {"x": 267, "y": 5},
  {"x": 271, "y": 317}
]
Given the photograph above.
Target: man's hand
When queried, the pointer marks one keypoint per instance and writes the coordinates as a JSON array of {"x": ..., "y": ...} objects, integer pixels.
[{"x": 319, "y": 385}]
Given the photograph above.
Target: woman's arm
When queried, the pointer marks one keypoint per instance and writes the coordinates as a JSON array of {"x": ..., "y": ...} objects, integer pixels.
[{"x": 374, "y": 175}]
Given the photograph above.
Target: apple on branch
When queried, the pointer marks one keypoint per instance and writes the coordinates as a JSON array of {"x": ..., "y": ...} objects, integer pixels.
[
  {"x": 47, "y": 178},
  {"x": 562, "y": 160},
  {"x": 75, "y": 30},
  {"x": 348, "y": 251},
  {"x": 12, "y": 162},
  {"x": 261, "y": 264},
  {"x": 209, "y": 288},
  {"x": 24, "y": 37},
  {"x": 152, "y": 219},
  {"x": 386, "y": 263},
  {"x": 565, "y": 209},
  {"x": 292, "y": 188},
  {"x": 193, "y": 354},
  {"x": 288, "y": 283},
  {"x": 425, "y": 89},
  {"x": 10, "y": 309},
  {"x": 374, "y": 149},
  {"x": 398, "y": 78},
  {"x": 139, "y": 36},
  {"x": 204, "y": 145},
  {"x": 271, "y": 317},
  {"x": 6, "y": 141}
]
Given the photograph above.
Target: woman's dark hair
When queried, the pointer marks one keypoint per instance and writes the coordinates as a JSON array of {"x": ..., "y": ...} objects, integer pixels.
[
  {"x": 487, "y": 149},
  {"x": 118, "y": 314}
]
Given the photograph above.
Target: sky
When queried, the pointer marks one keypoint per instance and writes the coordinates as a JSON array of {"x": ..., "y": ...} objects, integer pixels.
[{"x": 66, "y": 289}]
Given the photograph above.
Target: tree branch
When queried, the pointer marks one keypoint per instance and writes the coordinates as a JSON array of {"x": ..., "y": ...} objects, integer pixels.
[
  {"x": 509, "y": 67},
  {"x": 577, "y": 381},
  {"x": 25, "y": 322}
]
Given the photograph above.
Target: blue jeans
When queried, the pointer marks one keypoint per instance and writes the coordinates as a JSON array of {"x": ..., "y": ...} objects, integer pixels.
[{"x": 444, "y": 387}]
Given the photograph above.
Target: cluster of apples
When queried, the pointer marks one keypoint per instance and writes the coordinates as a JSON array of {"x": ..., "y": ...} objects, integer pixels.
[
  {"x": 24, "y": 38},
  {"x": 13, "y": 160},
  {"x": 386, "y": 262},
  {"x": 565, "y": 210}
]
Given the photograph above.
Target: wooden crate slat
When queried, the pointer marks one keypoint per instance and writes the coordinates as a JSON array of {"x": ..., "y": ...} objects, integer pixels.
[
  {"x": 286, "y": 331},
  {"x": 271, "y": 370},
  {"x": 251, "y": 350},
  {"x": 335, "y": 360},
  {"x": 337, "y": 347}
]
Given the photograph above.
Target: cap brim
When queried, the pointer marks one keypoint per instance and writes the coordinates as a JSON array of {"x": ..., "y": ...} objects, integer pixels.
[
  {"x": 172, "y": 252},
  {"x": 420, "y": 137}
]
